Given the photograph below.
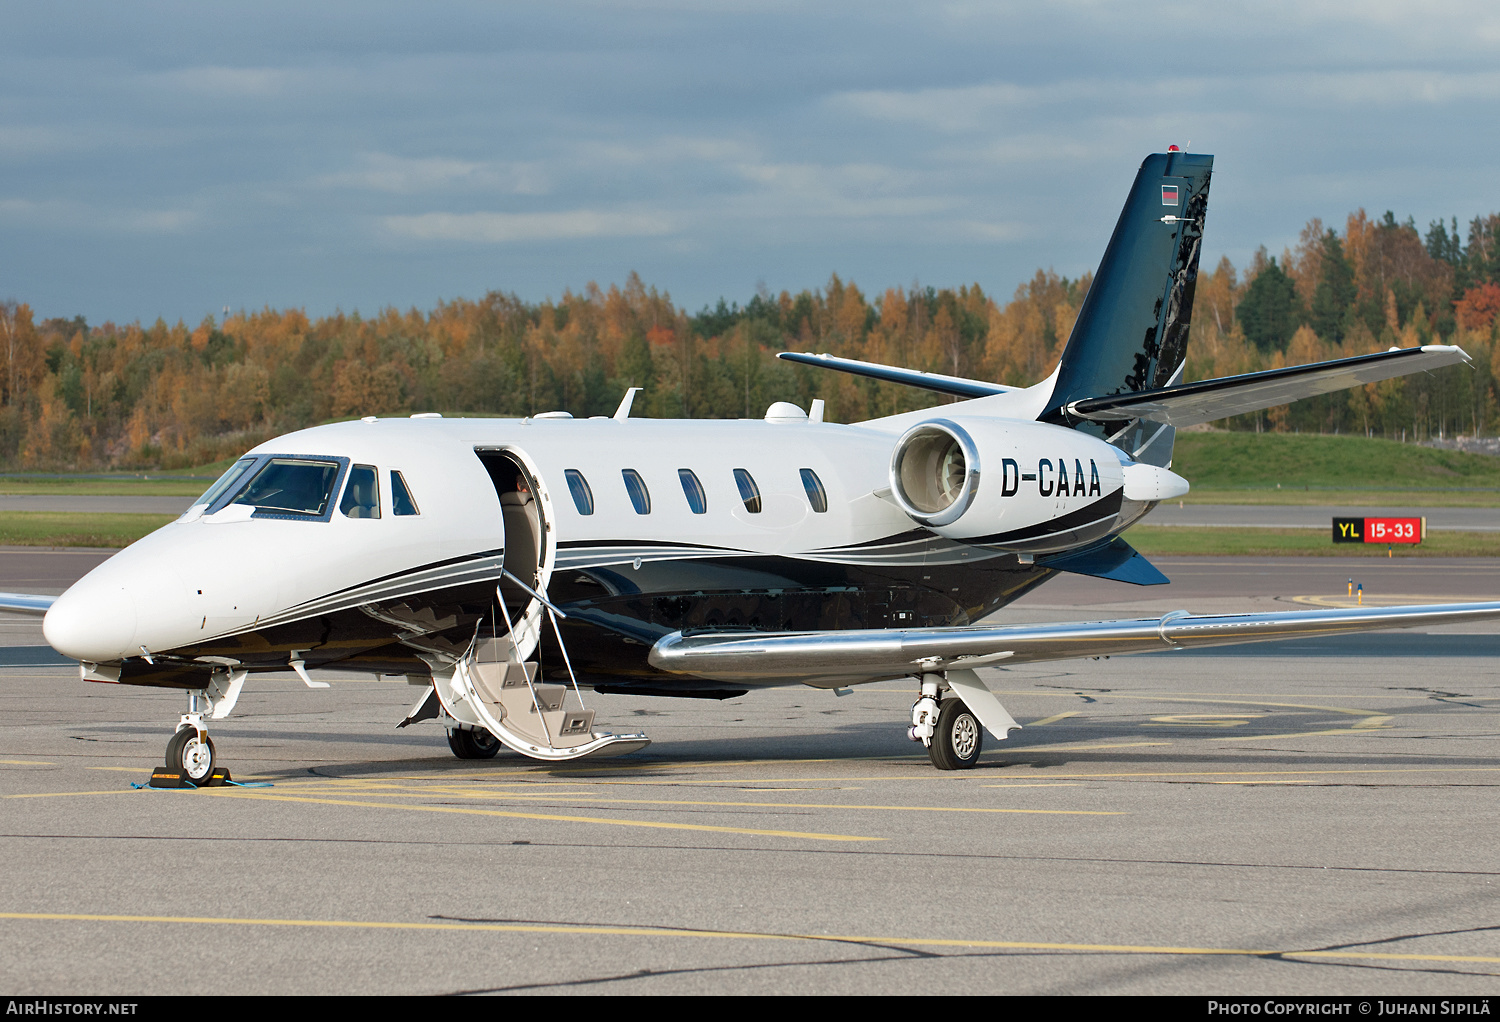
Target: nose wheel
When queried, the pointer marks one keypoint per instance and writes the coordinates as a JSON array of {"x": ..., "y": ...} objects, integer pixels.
[{"x": 191, "y": 752}]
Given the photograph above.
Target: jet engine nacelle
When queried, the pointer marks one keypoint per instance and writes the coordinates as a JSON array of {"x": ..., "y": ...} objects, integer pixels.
[{"x": 1023, "y": 486}]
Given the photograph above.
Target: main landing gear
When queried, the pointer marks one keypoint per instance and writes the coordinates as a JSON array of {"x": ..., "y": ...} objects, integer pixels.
[
  {"x": 953, "y": 735},
  {"x": 472, "y": 743}
]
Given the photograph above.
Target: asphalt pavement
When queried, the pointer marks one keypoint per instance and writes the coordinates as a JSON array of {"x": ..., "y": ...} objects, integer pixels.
[{"x": 1272, "y": 821}]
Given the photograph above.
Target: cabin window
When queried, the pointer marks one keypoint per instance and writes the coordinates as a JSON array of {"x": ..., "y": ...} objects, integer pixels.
[
  {"x": 293, "y": 487},
  {"x": 749, "y": 492},
  {"x": 583, "y": 497},
  {"x": 225, "y": 481},
  {"x": 693, "y": 490},
  {"x": 362, "y": 494},
  {"x": 636, "y": 487},
  {"x": 816, "y": 495},
  {"x": 402, "y": 503}
]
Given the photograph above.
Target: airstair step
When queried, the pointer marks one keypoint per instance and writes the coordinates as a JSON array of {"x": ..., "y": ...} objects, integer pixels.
[
  {"x": 517, "y": 675},
  {"x": 580, "y": 722},
  {"x": 494, "y": 650},
  {"x": 550, "y": 697}
]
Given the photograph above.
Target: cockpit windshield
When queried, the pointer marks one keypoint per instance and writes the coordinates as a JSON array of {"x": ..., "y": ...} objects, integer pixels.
[
  {"x": 292, "y": 486},
  {"x": 224, "y": 482}
]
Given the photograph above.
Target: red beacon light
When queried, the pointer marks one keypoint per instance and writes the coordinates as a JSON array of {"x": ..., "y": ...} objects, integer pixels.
[{"x": 1174, "y": 149}]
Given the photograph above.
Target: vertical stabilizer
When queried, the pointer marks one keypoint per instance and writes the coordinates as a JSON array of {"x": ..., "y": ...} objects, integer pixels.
[{"x": 1131, "y": 334}]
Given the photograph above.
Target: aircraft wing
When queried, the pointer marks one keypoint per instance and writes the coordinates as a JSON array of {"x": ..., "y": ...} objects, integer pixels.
[
  {"x": 1207, "y": 400},
  {"x": 25, "y": 603},
  {"x": 957, "y": 385},
  {"x": 849, "y": 657}
]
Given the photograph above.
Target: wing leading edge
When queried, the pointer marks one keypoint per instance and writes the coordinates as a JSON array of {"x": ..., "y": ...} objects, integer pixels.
[
  {"x": 958, "y": 386},
  {"x": 25, "y": 603},
  {"x": 841, "y": 658}
]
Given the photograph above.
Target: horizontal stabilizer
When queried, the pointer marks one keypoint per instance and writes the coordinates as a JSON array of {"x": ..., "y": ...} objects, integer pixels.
[
  {"x": 1207, "y": 400},
  {"x": 1116, "y": 560},
  {"x": 25, "y": 603},
  {"x": 893, "y": 374},
  {"x": 870, "y": 654}
]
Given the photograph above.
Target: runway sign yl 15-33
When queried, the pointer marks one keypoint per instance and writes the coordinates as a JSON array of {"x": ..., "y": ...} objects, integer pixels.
[{"x": 1379, "y": 530}]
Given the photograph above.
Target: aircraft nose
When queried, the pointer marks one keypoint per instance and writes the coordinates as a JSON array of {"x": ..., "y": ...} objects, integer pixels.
[{"x": 93, "y": 621}]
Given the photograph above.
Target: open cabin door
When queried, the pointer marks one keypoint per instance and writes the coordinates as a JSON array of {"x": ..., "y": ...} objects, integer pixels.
[
  {"x": 530, "y": 544},
  {"x": 497, "y": 685}
]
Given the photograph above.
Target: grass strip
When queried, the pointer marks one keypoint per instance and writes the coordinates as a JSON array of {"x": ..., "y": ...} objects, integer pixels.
[
  {"x": 55, "y": 528},
  {"x": 1230, "y": 460},
  {"x": 103, "y": 487},
  {"x": 1161, "y": 540},
  {"x": 1377, "y": 499}
]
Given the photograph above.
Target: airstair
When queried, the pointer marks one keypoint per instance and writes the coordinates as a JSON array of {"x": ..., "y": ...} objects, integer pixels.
[{"x": 494, "y": 686}]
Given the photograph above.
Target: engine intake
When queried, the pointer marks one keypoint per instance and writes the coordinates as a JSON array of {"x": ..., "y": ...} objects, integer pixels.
[{"x": 935, "y": 472}]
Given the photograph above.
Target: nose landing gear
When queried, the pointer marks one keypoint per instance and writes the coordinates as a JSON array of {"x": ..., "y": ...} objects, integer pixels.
[{"x": 191, "y": 751}]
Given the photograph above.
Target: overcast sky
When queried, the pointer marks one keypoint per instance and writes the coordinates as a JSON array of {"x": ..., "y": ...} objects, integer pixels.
[{"x": 168, "y": 159}]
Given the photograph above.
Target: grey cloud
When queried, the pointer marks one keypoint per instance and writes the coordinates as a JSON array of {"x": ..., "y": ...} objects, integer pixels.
[
  {"x": 504, "y": 228},
  {"x": 386, "y": 172},
  {"x": 166, "y": 158}
]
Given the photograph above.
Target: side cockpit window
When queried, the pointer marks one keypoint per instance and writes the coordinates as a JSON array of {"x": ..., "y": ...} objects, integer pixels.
[
  {"x": 292, "y": 488},
  {"x": 224, "y": 482},
  {"x": 402, "y": 502},
  {"x": 362, "y": 495}
]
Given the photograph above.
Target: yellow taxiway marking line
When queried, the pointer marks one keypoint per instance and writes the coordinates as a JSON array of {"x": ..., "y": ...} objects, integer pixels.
[
  {"x": 24, "y": 762},
  {"x": 564, "y": 769},
  {"x": 59, "y": 794},
  {"x": 1385, "y": 599},
  {"x": 1357, "y": 729},
  {"x": 651, "y": 931},
  {"x": 1383, "y": 697},
  {"x": 1244, "y": 702},
  {"x": 1371, "y": 722},
  {"x": 1054, "y": 718},
  {"x": 1077, "y": 747},
  {"x": 1287, "y": 781},
  {"x": 1272, "y": 773},
  {"x": 241, "y": 793},
  {"x": 128, "y": 770},
  {"x": 430, "y": 792}
]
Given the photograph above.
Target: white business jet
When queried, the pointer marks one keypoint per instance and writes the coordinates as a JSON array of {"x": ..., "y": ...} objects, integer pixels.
[{"x": 508, "y": 567}]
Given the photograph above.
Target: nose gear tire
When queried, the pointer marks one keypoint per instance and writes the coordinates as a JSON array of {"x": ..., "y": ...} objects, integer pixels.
[
  {"x": 957, "y": 739},
  {"x": 193, "y": 758}
]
